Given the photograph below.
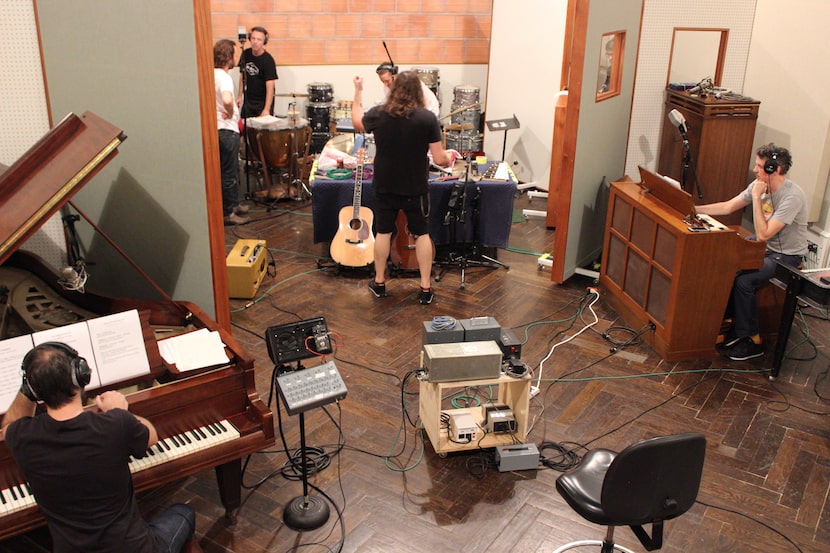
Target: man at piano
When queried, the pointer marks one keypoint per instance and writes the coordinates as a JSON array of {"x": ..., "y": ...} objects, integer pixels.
[
  {"x": 76, "y": 460},
  {"x": 779, "y": 218}
]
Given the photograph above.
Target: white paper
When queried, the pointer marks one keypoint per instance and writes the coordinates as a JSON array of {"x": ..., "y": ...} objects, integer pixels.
[
  {"x": 194, "y": 350},
  {"x": 75, "y": 336},
  {"x": 118, "y": 344},
  {"x": 12, "y": 352}
]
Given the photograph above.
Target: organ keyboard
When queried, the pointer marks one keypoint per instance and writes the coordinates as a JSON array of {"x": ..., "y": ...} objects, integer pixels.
[{"x": 211, "y": 418}]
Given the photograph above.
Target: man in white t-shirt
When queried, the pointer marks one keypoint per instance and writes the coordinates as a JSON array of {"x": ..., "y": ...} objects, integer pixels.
[
  {"x": 227, "y": 121},
  {"x": 386, "y": 73}
]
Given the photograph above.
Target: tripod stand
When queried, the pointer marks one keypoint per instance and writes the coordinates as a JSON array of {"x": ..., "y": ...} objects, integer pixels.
[{"x": 463, "y": 255}]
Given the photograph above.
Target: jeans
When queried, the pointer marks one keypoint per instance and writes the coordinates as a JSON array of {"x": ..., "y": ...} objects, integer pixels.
[
  {"x": 175, "y": 526},
  {"x": 229, "y": 165},
  {"x": 743, "y": 305}
]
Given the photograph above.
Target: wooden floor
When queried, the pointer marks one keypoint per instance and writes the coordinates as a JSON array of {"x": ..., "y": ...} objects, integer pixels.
[{"x": 767, "y": 472}]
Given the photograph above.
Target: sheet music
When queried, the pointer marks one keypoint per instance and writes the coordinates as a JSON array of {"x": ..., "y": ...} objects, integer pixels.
[
  {"x": 113, "y": 346},
  {"x": 118, "y": 345},
  {"x": 12, "y": 352}
]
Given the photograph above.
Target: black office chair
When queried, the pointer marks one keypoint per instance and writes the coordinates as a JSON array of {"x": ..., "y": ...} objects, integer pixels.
[{"x": 646, "y": 483}]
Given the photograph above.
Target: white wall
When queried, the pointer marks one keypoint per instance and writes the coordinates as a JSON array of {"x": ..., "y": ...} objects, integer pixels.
[
  {"x": 525, "y": 66},
  {"x": 23, "y": 114},
  {"x": 787, "y": 71},
  {"x": 659, "y": 20}
]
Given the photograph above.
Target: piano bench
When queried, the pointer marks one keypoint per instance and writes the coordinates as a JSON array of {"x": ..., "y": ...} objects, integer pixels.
[{"x": 192, "y": 547}]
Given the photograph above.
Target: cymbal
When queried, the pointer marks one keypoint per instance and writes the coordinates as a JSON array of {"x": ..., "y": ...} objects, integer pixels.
[{"x": 291, "y": 95}]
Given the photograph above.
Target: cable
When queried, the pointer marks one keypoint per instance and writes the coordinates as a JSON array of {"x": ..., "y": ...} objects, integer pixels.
[
  {"x": 590, "y": 306},
  {"x": 761, "y": 522},
  {"x": 443, "y": 322}
]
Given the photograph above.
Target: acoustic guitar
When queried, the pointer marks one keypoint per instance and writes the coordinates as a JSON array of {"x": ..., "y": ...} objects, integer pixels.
[
  {"x": 402, "y": 255},
  {"x": 354, "y": 244}
]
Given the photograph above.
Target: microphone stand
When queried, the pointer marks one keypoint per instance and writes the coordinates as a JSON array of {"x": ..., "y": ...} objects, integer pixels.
[
  {"x": 457, "y": 214},
  {"x": 689, "y": 165}
]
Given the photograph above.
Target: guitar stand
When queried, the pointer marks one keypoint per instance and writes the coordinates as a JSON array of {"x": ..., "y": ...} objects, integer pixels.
[{"x": 465, "y": 255}]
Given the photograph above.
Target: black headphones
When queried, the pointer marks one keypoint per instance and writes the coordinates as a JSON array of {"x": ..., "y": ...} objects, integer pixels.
[
  {"x": 771, "y": 165},
  {"x": 78, "y": 367},
  {"x": 384, "y": 67},
  {"x": 261, "y": 30}
]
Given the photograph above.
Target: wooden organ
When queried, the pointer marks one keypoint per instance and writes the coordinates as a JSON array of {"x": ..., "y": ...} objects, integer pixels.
[
  {"x": 207, "y": 418},
  {"x": 659, "y": 268}
]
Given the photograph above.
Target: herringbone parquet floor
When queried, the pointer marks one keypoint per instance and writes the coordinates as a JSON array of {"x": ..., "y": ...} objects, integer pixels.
[{"x": 767, "y": 472}]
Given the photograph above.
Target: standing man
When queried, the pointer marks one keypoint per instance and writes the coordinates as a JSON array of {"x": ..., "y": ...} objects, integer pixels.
[
  {"x": 257, "y": 76},
  {"x": 227, "y": 117},
  {"x": 779, "y": 216},
  {"x": 387, "y": 73},
  {"x": 76, "y": 460},
  {"x": 404, "y": 132}
]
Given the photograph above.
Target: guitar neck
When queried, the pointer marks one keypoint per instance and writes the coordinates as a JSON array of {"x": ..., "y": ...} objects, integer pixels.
[{"x": 358, "y": 183}]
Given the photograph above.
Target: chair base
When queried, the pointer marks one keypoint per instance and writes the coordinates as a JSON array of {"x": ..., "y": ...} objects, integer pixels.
[{"x": 584, "y": 543}]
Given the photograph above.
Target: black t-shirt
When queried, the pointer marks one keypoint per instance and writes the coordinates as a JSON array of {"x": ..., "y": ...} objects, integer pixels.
[
  {"x": 401, "y": 163},
  {"x": 78, "y": 472},
  {"x": 257, "y": 70}
]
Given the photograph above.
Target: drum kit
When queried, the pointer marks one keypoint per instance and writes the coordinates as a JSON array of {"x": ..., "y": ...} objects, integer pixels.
[{"x": 463, "y": 133}]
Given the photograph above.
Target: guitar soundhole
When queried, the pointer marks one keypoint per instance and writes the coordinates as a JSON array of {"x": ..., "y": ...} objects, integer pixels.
[{"x": 355, "y": 224}]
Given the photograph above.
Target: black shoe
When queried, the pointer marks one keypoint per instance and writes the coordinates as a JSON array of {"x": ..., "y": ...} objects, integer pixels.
[
  {"x": 426, "y": 296},
  {"x": 379, "y": 290},
  {"x": 730, "y": 340},
  {"x": 745, "y": 349}
]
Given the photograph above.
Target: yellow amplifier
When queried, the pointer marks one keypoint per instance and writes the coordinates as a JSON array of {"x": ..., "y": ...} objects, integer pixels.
[{"x": 247, "y": 264}]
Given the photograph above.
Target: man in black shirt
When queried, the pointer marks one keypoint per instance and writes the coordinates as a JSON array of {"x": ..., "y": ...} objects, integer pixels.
[{"x": 257, "y": 77}]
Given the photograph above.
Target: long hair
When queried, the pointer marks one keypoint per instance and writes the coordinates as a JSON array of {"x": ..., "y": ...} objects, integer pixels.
[
  {"x": 405, "y": 96},
  {"x": 223, "y": 54}
]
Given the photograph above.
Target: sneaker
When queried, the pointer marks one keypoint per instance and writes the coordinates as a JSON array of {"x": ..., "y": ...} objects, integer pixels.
[
  {"x": 745, "y": 349},
  {"x": 426, "y": 296},
  {"x": 234, "y": 219},
  {"x": 241, "y": 209},
  {"x": 379, "y": 290},
  {"x": 730, "y": 340}
]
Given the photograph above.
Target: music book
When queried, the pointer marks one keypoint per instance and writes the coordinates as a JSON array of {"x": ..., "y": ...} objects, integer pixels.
[{"x": 113, "y": 346}]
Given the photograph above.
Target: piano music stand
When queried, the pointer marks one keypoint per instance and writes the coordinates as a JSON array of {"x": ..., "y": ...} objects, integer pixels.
[{"x": 503, "y": 125}]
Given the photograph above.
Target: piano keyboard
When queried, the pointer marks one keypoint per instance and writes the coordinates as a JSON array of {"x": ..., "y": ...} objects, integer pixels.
[{"x": 19, "y": 496}]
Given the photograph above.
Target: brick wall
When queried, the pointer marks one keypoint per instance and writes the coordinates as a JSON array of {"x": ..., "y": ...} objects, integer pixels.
[{"x": 333, "y": 32}]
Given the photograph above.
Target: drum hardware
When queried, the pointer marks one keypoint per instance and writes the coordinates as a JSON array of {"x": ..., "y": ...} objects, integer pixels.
[
  {"x": 291, "y": 95},
  {"x": 460, "y": 110}
]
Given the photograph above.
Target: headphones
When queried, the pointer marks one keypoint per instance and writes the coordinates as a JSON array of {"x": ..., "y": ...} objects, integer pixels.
[
  {"x": 384, "y": 67},
  {"x": 771, "y": 165},
  {"x": 261, "y": 30},
  {"x": 78, "y": 367}
]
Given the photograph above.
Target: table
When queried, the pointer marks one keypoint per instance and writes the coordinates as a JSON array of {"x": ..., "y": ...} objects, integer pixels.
[{"x": 495, "y": 209}]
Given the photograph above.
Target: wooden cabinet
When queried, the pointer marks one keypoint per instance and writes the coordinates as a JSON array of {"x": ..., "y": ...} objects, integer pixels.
[
  {"x": 657, "y": 270},
  {"x": 505, "y": 390},
  {"x": 720, "y": 138}
]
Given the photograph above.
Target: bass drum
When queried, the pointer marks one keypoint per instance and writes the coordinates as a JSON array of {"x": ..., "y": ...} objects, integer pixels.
[{"x": 319, "y": 115}]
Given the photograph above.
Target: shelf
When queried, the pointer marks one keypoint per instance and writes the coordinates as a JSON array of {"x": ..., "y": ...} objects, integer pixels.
[{"x": 513, "y": 392}]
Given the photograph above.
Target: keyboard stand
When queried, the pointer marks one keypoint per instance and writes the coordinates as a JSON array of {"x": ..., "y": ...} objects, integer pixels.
[{"x": 308, "y": 512}]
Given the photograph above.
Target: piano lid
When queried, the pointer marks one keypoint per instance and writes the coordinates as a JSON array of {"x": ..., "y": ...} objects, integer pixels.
[{"x": 46, "y": 177}]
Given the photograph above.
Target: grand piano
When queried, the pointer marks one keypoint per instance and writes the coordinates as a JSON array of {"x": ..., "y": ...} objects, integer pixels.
[
  {"x": 663, "y": 270},
  {"x": 207, "y": 418}
]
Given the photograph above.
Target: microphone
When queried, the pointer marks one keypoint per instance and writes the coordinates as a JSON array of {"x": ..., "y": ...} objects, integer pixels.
[
  {"x": 678, "y": 121},
  {"x": 73, "y": 280}
]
